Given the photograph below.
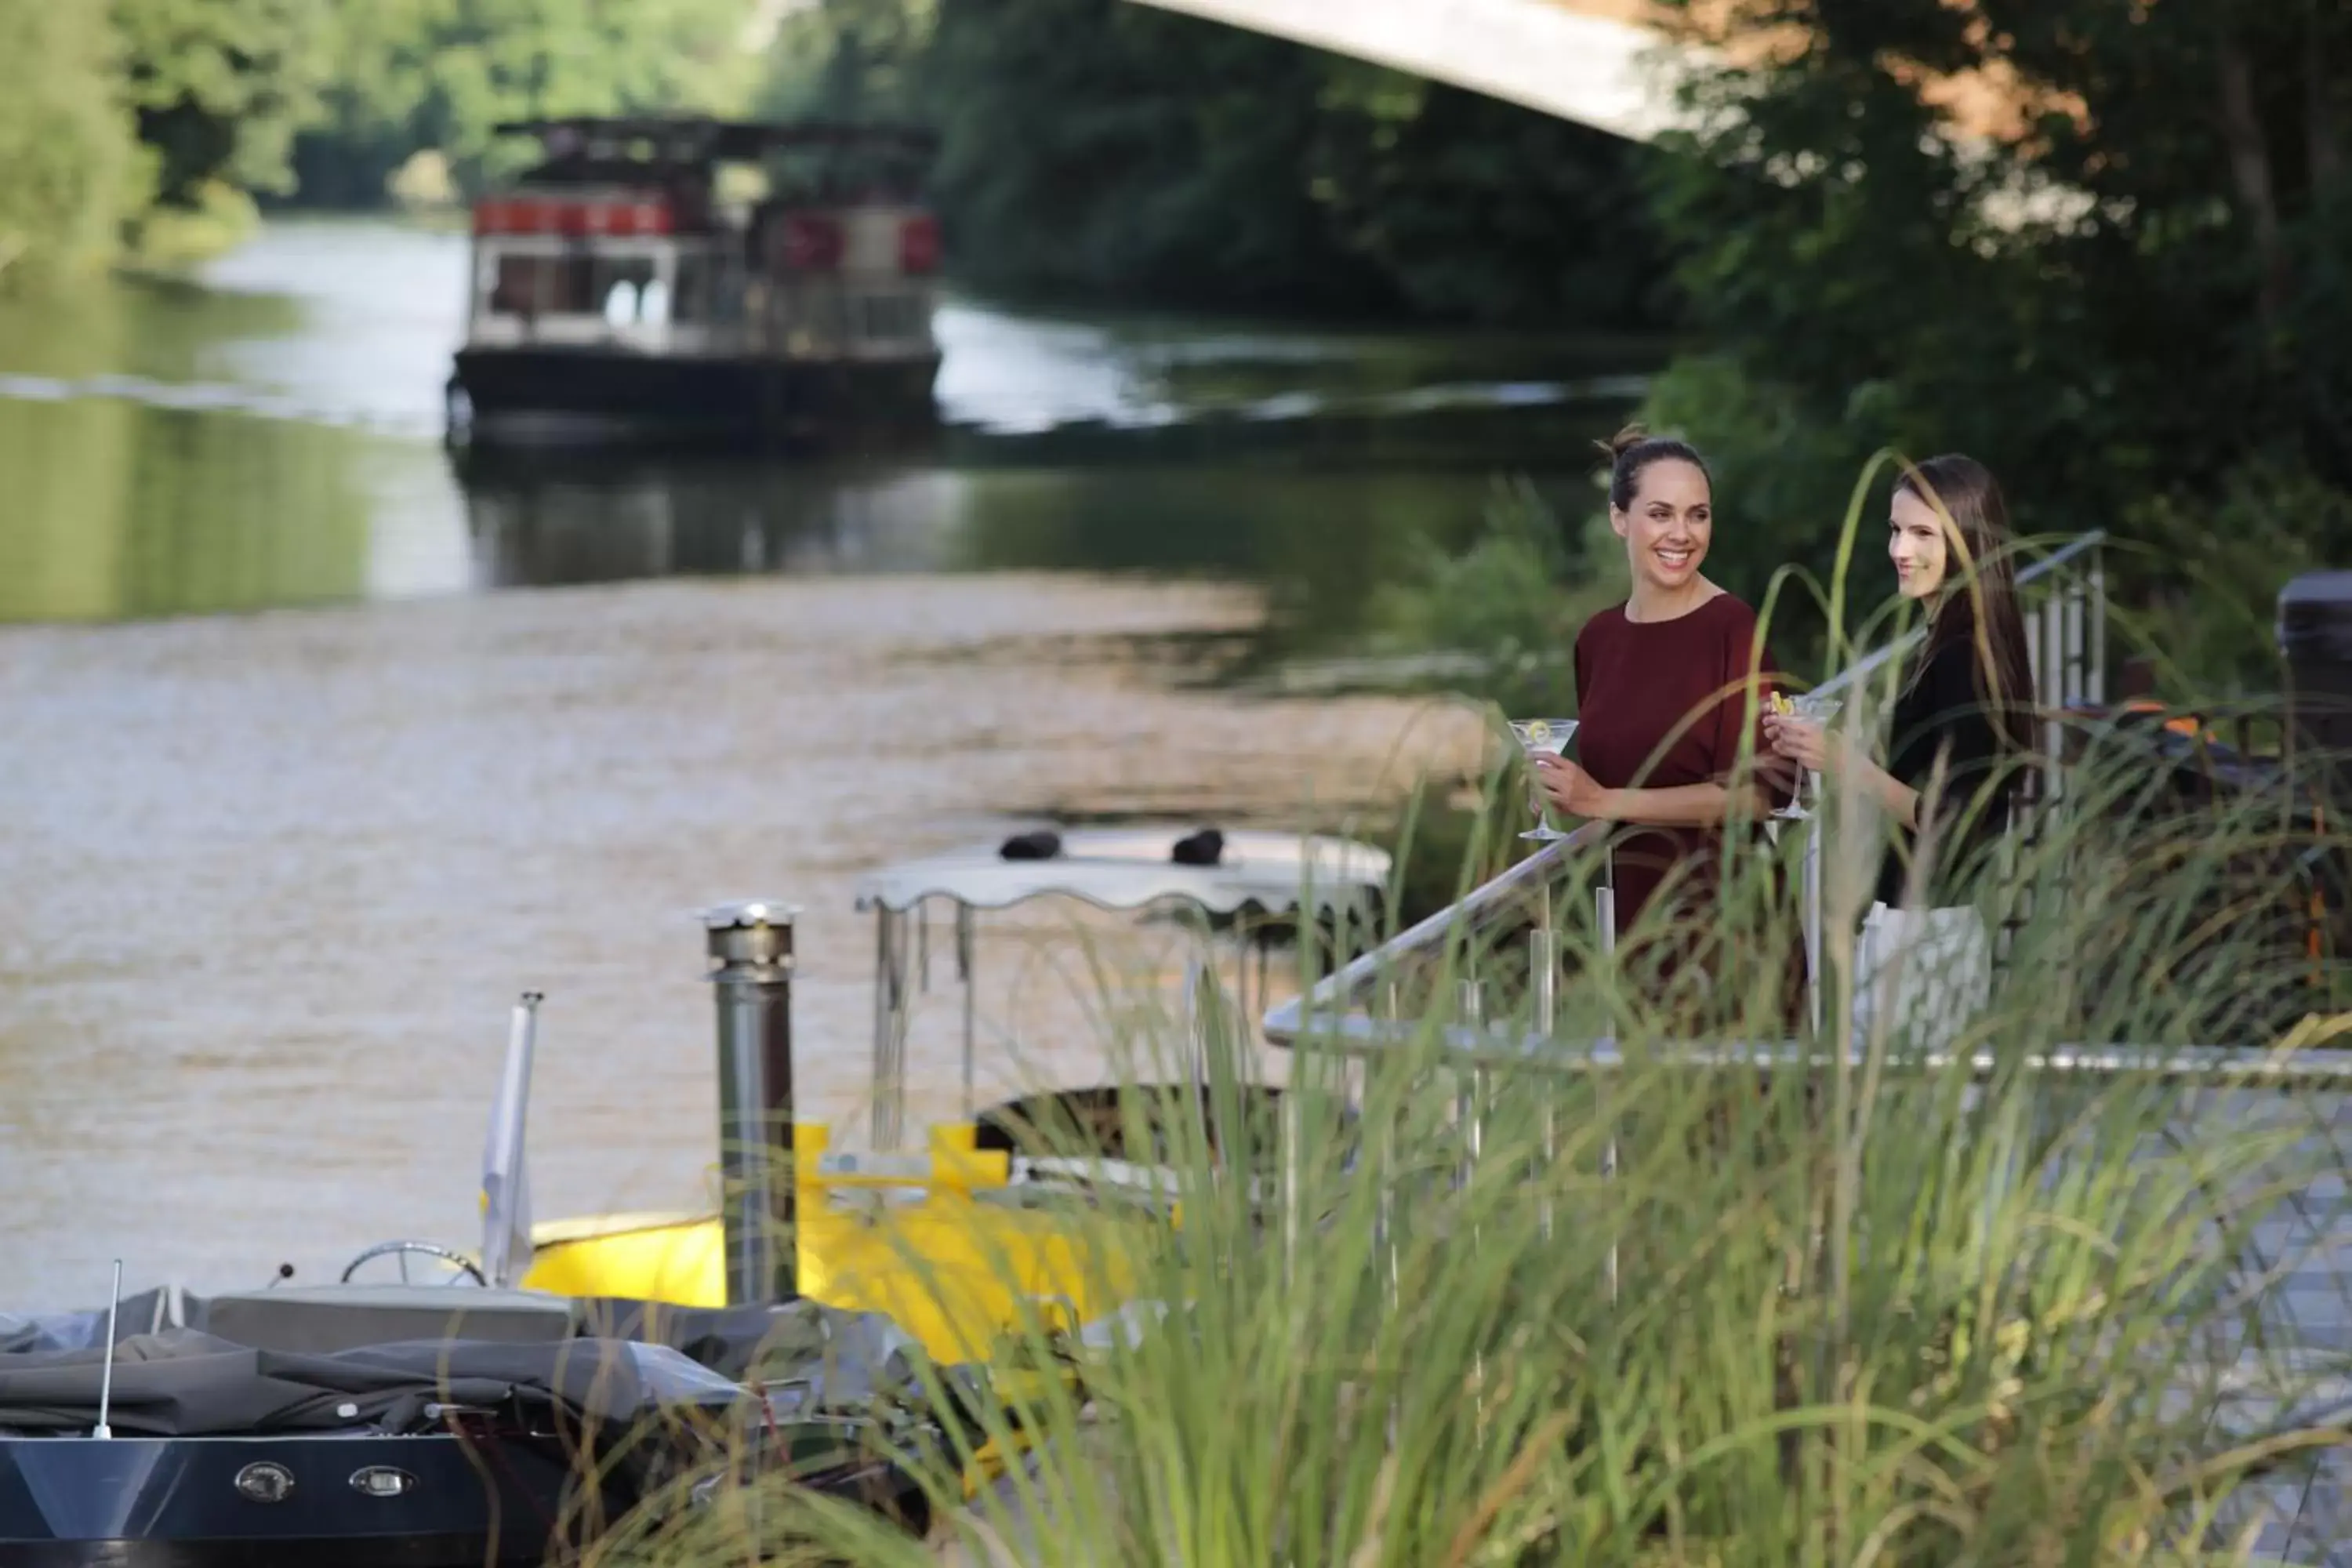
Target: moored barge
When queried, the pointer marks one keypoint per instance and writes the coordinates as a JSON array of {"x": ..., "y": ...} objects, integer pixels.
[{"x": 701, "y": 280}]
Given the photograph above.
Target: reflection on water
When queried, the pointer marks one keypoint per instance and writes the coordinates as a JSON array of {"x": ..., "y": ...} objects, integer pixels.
[
  {"x": 1328, "y": 534},
  {"x": 118, "y": 509},
  {"x": 271, "y": 437},
  {"x": 540, "y": 519}
]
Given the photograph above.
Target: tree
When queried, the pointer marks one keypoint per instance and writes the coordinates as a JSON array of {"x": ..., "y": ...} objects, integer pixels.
[
  {"x": 1130, "y": 154},
  {"x": 220, "y": 88},
  {"x": 850, "y": 60},
  {"x": 440, "y": 75},
  {"x": 1124, "y": 153},
  {"x": 2099, "y": 245},
  {"x": 1481, "y": 210},
  {"x": 68, "y": 173}
]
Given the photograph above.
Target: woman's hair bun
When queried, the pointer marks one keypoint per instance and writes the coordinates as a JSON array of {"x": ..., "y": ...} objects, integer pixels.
[
  {"x": 1633, "y": 449},
  {"x": 1622, "y": 442}
]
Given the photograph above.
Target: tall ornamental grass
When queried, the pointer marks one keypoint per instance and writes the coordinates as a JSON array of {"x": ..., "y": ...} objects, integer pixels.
[{"x": 1679, "y": 1280}]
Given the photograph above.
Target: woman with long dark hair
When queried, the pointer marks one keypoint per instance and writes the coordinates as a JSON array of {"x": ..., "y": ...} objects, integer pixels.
[{"x": 1959, "y": 740}]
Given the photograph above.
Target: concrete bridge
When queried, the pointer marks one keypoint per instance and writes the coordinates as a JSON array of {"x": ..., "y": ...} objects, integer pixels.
[
  {"x": 1597, "y": 62},
  {"x": 1602, "y": 63}
]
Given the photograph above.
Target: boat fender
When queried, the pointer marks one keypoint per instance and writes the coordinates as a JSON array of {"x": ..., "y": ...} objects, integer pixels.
[
  {"x": 1043, "y": 845},
  {"x": 1206, "y": 848}
]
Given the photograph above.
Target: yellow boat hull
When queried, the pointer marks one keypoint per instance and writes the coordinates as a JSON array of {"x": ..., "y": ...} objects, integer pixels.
[{"x": 954, "y": 1270}]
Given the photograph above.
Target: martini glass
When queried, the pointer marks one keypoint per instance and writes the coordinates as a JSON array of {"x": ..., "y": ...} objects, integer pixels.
[
  {"x": 1548, "y": 737},
  {"x": 1814, "y": 708}
]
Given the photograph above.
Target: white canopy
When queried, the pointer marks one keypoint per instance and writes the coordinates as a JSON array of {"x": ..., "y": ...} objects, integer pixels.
[{"x": 1130, "y": 868}]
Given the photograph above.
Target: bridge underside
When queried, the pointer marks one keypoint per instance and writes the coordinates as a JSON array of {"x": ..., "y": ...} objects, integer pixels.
[
  {"x": 1592, "y": 61},
  {"x": 1591, "y": 68}
]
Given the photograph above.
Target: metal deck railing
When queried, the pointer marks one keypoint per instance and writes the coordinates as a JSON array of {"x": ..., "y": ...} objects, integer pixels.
[
  {"x": 2065, "y": 599},
  {"x": 1355, "y": 1014}
]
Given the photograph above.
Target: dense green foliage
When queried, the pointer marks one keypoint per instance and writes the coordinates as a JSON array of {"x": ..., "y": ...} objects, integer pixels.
[
  {"x": 64, "y": 140},
  {"x": 436, "y": 75},
  {"x": 219, "y": 87},
  {"x": 1156, "y": 159},
  {"x": 226, "y": 101},
  {"x": 1117, "y": 151},
  {"x": 145, "y": 121},
  {"x": 2161, "y": 345},
  {"x": 2131, "y": 294}
]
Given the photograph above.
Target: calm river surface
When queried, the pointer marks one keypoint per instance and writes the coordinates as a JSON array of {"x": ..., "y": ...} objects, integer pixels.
[{"x": 301, "y": 788}]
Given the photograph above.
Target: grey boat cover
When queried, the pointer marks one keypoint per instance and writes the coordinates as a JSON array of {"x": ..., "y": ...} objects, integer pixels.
[
  {"x": 806, "y": 1358},
  {"x": 165, "y": 1307},
  {"x": 182, "y": 1382},
  {"x": 179, "y": 1372}
]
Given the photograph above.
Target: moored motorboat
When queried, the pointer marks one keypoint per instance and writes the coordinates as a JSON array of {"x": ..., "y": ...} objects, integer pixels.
[
  {"x": 422, "y": 1425},
  {"x": 843, "y": 1311}
]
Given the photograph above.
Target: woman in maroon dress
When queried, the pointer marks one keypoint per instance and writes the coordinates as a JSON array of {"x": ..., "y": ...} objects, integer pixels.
[{"x": 1671, "y": 687}]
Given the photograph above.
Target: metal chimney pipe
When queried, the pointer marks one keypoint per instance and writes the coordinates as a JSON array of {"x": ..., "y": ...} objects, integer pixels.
[{"x": 750, "y": 953}]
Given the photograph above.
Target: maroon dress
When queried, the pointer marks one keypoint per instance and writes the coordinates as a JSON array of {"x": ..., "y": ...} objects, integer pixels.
[{"x": 1665, "y": 703}]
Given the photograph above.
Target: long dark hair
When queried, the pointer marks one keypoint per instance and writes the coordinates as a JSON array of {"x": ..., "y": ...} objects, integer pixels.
[{"x": 1980, "y": 600}]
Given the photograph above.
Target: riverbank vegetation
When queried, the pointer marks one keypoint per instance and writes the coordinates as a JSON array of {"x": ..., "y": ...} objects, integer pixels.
[
  {"x": 144, "y": 129},
  {"x": 148, "y": 130},
  {"x": 2127, "y": 284}
]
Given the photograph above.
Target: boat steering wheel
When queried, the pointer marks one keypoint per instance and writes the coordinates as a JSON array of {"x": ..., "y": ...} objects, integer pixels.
[{"x": 401, "y": 1249}]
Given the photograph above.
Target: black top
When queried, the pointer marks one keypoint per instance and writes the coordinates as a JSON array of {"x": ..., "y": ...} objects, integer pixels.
[{"x": 1943, "y": 711}]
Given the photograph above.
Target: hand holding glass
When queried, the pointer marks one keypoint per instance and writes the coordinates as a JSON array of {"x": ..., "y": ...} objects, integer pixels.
[
  {"x": 1543, "y": 737},
  {"x": 1814, "y": 708}
]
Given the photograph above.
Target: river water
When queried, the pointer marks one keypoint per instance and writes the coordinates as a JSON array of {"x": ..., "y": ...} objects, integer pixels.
[{"x": 322, "y": 743}]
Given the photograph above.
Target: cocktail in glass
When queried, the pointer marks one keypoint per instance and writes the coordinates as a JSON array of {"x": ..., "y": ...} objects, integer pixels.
[
  {"x": 1542, "y": 737},
  {"x": 1814, "y": 708}
]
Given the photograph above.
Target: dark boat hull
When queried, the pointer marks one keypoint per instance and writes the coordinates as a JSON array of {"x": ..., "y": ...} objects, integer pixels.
[
  {"x": 555, "y": 395},
  {"x": 176, "y": 1502},
  {"x": 361, "y": 1437}
]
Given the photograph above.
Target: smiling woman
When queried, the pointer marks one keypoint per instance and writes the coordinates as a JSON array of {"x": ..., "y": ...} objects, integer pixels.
[
  {"x": 1670, "y": 687},
  {"x": 1960, "y": 744}
]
